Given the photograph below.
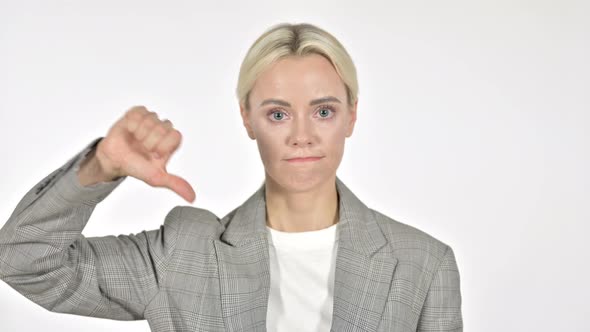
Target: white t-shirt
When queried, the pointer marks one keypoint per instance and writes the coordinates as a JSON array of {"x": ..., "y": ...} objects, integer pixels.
[{"x": 302, "y": 266}]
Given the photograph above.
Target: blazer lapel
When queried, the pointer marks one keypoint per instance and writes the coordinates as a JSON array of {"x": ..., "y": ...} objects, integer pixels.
[
  {"x": 243, "y": 263},
  {"x": 362, "y": 279}
]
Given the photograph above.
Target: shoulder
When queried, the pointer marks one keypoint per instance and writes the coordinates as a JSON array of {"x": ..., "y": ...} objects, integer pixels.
[
  {"x": 193, "y": 220},
  {"x": 426, "y": 275},
  {"x": 409, "y": 243}
]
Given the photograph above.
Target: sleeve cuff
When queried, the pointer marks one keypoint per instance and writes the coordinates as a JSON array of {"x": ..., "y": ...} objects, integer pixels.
[{"x": 69, "y": 188}]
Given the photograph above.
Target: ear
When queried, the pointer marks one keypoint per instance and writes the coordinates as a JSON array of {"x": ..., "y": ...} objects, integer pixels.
[
  {"x": 246, "y": 122},
  {"x": 352, "y": 121}
]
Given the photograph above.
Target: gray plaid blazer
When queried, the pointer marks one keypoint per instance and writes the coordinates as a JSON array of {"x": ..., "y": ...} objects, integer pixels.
[{"x": 201, "y": 273}]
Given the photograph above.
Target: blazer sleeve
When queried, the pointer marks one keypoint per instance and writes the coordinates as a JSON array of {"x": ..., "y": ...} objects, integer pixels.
[
  {"x": 442, "y": 307},
  {"x": 44, "y": 256}
]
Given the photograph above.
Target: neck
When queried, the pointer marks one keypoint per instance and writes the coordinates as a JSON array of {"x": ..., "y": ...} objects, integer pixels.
[{"x": 304, "y": 211}]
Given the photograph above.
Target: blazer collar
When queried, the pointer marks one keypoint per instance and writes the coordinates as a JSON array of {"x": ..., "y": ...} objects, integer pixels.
[
  {"x": 357, "y": 228},
  {"x": 362, "y": 281}
]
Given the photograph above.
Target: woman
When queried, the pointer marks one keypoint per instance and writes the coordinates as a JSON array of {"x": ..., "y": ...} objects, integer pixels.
[{"x": 303, "y": 253}]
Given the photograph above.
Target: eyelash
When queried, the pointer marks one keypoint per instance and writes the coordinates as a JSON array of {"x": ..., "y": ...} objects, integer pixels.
[{"x": 331, "y": 108}]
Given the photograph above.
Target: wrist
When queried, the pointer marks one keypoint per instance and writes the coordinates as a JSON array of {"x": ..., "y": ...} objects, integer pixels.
[{"x": 93, "y": 171}]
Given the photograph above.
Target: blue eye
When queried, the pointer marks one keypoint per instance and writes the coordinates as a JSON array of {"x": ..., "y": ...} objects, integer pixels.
[
  {"x": 278, "y": 112},
  {"x": 322, "y": 110},
  {"x": 326, "y": 108}
]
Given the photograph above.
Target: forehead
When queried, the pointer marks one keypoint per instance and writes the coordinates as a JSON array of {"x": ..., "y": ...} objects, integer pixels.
[{"x": 306, "y": 76}]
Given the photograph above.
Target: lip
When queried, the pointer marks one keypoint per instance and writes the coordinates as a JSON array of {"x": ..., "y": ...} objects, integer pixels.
[{"x": 302, "y": 160}]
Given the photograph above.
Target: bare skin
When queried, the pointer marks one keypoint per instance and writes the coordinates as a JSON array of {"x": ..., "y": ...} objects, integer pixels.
[
  {"x": 300, "y": 196},
  {"x": 140, "y": 145}
]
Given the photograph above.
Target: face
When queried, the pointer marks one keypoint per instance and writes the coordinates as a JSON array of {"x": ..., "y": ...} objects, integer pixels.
[{"x": 298, "y": 108}]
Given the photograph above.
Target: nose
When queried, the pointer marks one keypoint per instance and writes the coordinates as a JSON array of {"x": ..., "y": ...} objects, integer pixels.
[{"x": 301, "y": 132}]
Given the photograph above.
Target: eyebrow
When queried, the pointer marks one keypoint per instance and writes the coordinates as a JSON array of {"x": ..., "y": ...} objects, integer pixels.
[{"x": 311, "y": 103}]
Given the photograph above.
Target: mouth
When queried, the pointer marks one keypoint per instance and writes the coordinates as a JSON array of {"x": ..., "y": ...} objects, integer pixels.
[{"x": 304, "y": 159}]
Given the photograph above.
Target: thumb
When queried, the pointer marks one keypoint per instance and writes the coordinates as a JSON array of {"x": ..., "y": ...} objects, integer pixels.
[
  {"x": 158, "y": 176},
  {"x": 179, "y": 186}
]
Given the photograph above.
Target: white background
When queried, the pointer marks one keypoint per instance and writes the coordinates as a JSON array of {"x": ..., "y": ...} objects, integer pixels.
[{"x": 473, "y": 125}]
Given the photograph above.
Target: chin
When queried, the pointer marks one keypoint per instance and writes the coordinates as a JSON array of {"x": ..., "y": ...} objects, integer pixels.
[{"x": 299, "y": 181}]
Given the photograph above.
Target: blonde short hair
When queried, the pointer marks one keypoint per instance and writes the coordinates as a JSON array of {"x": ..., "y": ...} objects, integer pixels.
[{"x": 286, "y": 39}]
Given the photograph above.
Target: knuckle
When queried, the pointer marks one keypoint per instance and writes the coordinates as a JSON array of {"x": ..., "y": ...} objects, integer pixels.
[
  {"x": 161, "y": 130},
  {"x": 139, "y": 109},
  {"x": 176, "y": 134},
  {"x": 133, "y": 116},
  {"x": 149, "y": 122},
  {"x": 136, "y": 107},
  {"x": 130, "y": 115},
  {"x": 173, "y": 137}
]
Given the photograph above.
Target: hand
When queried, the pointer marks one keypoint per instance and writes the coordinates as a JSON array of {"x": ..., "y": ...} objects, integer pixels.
[{"x": 140, "y": 145}]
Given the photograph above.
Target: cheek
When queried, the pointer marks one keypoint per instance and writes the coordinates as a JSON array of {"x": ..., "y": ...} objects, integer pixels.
[
  {"x": 268, "y": 147},
  {"x": 334, "y": 135},
  {"x": 333, "y": 144}
]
